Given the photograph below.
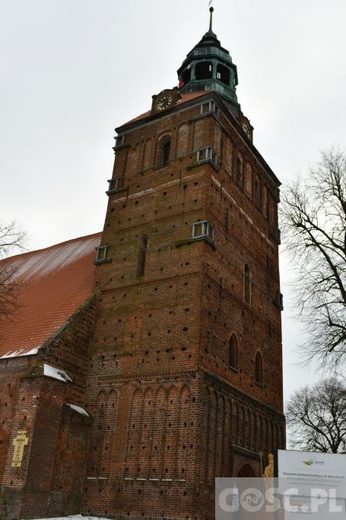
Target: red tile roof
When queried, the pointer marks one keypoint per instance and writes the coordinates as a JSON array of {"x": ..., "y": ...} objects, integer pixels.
[
  {"x": 183, "y": 99},
  {"x": 54, "y": 283}
]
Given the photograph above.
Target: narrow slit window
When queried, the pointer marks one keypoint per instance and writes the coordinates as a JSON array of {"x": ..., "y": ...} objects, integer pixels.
[
  {"x": 265, "y": 202},
  {"x": 247, "y": 284},
  {"x": 226, "y": 220},
  {"x": 165, "y": 152},
  {"x": 259, "y": 369},
  {"x": 240, "y": 172},
  {"x": 142, "y": 252},
  {"x": 257, "y": 192},
  {"x": 233, "y": 353},
  {"x": 248, "y": 180}
]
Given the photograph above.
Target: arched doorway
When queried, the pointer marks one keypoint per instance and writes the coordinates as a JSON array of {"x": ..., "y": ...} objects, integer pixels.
[{"x": 246, "y": 471}]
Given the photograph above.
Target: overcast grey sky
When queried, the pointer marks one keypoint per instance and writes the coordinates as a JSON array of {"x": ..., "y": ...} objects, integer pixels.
[{"x": 73, "y": 70}]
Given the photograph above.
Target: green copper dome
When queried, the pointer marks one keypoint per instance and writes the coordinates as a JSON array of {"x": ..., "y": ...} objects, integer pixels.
[{"x": 209, "y": 67}]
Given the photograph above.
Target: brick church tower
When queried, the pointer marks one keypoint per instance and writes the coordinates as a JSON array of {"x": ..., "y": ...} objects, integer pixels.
[{"x": 185, "y": 381}]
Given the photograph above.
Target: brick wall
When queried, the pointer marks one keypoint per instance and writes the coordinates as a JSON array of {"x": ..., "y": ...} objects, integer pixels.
[
  {"x": 48, "y": 481},
  {"x": 170, "y": 414}
]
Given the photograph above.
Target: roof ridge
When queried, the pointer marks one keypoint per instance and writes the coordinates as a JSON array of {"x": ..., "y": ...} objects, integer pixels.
[{"x": 184, "y": 97}]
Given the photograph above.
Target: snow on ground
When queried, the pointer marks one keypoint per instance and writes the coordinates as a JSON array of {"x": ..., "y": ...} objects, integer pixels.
[{"x": 75, "y": 517}]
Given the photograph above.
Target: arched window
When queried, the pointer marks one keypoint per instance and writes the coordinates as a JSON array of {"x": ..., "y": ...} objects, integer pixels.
[
  {"x": 259, "y": 369},
  {"x": 247, "y": 284},
  {"x": 233, "y": 353}
]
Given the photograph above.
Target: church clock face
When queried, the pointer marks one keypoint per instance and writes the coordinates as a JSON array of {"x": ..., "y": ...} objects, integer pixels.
[{"x": 164, "y": 102}]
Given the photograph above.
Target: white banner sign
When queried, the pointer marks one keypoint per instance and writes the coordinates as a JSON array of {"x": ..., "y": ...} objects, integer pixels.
[{"x": 307, "y": 470}]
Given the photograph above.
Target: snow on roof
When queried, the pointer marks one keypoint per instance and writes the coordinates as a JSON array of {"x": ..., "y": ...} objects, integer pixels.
[
  {"x": 46, "y": 261},
  {"x": 20, "y": 352},
  {"x": 53, "y": 283},
  {"x": 78, "y": 409},
  {"x": 55, "y": 373}
]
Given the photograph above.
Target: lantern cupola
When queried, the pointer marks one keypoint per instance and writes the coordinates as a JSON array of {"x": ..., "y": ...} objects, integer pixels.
[{"x": 209, "y": 67}]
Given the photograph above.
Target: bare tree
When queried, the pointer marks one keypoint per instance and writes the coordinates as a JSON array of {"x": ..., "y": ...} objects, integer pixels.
[
  {"x": 314, "y": 227},
  {"x": 12, "y": 239},
  {"x": 9, "y": 289},
  {"x": 316, "y": 417}
]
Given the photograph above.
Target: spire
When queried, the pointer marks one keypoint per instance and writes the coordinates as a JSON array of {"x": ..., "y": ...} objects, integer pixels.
[
  {"x": 210, "y": 33},
  {"x": 209, "y": 67},
  {"x": 211, "y": 10}
]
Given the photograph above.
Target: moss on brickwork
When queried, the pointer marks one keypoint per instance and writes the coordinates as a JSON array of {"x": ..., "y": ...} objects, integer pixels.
[
  {"x": 9, "y": 503},
  {"x": 38, "y": 504}
]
